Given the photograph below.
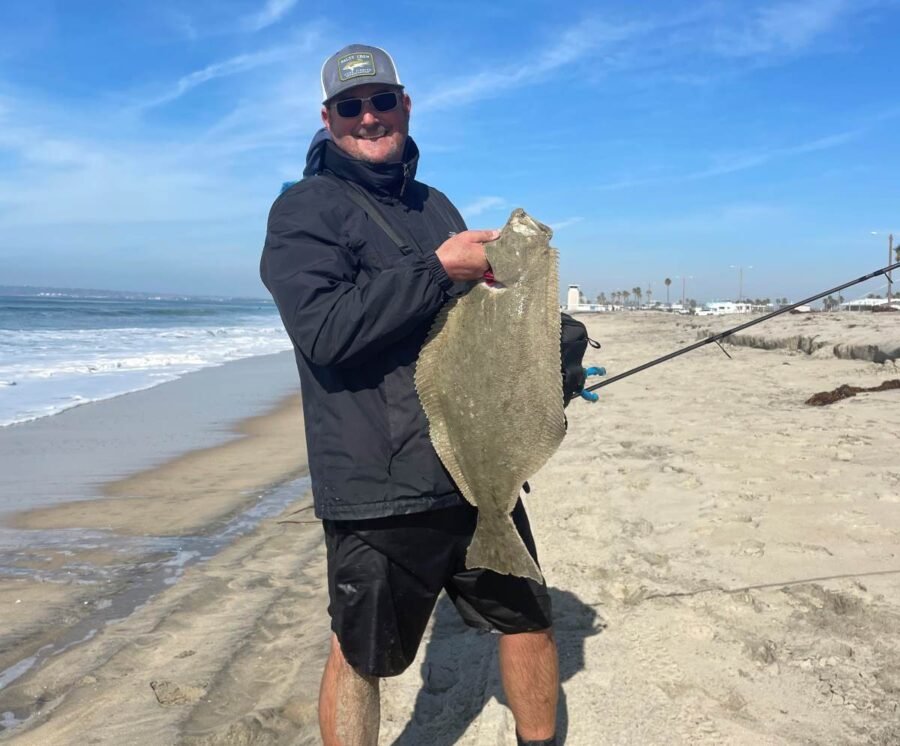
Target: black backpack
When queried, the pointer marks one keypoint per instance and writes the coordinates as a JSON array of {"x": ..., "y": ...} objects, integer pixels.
[{"x": 574, "y": 340}]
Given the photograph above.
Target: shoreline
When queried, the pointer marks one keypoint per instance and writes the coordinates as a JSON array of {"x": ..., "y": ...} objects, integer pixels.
[
  {"x": 187, "y": 493},
  {"x": 71, "y": 455},
  {"x": 83, "y": 567}
]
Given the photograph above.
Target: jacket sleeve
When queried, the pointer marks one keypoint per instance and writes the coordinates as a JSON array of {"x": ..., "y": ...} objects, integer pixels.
[{"x": 308, "y": 266}]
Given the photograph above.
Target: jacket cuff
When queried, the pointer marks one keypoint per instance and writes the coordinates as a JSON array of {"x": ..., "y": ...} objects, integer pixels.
[{"x": 438, "y": 272}]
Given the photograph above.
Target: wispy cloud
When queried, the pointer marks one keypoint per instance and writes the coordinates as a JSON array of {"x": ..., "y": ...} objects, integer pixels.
[
  {"x": 580, "y": 42},
  {"x": 182, "y": 24},
  {"x": 234, "y": 66},
  {"x": 272, "y": 12},
  {"x": 780, "y": 28},
  {"x": 692, "y": 47},
  {"x": 742, "y": 161},
  {"x": 735, "y": 162},
  {"x": 482, "y": 205},
  {"x": 558, "y": 225}
]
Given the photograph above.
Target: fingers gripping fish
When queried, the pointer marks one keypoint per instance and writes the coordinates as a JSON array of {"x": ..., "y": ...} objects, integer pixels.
[{"x": 492, "y": 433}]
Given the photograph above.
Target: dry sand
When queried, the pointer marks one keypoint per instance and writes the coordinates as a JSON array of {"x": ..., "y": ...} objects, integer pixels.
[{"x": 723, "y": 559}]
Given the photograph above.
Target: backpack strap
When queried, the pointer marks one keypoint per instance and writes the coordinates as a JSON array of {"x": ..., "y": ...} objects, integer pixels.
[{"x": 370, "y": 207}]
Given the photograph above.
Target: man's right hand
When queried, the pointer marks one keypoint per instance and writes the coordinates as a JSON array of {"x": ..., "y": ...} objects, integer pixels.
[{"x": 463, "y": 255}]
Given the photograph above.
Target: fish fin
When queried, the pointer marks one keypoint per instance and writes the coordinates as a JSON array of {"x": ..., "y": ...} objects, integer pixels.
[{"x": 497, "y": 546}]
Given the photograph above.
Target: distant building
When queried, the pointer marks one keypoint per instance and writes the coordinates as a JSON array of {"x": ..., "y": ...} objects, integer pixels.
[
  {"x": 576, "y": 302},
  {"x": 868, "y": 304},
  {"x": 722, "y": 307}
]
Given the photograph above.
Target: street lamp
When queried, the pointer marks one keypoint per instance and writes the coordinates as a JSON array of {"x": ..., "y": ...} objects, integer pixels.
[
  {"x": 890, "y": 261},
  {"x": 683, "y": 278},
  {"x": 740, "y": 269}
]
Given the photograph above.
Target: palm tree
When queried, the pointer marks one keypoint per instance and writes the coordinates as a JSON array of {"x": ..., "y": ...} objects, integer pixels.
[
  {"x": 649, "y": 294},
  {"x": 625, "y": 295},
  {"x": 637, "y": 295},
  {"x": 668, "y": 282}
]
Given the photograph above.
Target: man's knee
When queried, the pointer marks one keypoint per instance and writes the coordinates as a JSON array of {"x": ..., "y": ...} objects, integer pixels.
[{"x": 338, "y": 659}]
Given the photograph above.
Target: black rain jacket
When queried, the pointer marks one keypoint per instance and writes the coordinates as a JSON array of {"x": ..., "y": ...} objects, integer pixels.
[{"x": 358, "y": 310}]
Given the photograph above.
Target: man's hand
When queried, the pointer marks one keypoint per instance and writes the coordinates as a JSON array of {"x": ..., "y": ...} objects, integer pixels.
[{"x": 463, "y": 254}]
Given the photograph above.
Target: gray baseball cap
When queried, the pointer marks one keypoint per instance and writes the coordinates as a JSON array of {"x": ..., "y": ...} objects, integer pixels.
[{"x": 355, "y": 65}]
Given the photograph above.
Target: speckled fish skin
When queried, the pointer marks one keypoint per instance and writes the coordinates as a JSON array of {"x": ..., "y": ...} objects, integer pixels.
[{"x": 489, "y": 381}]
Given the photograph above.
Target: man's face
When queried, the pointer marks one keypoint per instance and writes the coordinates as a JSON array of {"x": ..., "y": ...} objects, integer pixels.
[{"x": 373, "y": 136}]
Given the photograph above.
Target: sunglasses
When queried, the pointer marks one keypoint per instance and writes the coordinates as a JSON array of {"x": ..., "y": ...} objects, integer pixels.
[{"x": 351, "y": 107}]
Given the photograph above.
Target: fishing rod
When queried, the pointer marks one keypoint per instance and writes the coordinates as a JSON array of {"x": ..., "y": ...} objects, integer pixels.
[{"x": 727, "y": 333}]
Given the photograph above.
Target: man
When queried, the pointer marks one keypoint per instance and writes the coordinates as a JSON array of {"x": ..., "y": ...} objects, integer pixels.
[{"x": 357, "y": 304}]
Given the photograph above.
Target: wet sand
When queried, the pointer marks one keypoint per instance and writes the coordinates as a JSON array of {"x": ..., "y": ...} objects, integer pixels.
[
  {"x": 89, "y": 577},
  {"x": 723, "y": 561},
  {"x": 192, "y": 491}
]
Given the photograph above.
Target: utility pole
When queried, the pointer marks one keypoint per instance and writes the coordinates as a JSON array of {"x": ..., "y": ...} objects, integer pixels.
[
  {"x": 890, "y": 259},
  {"x": 740, "y": 269},
  {"x": 684, "y": 279}
]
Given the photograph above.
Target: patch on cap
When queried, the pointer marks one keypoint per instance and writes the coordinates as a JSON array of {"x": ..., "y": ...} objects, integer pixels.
[{"x": 356, "y": 65}]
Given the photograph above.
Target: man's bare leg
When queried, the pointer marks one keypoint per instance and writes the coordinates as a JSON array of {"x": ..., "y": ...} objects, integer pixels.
[
  {"x": 349, "y": 707},
  {"x": 529, "y": 668}
]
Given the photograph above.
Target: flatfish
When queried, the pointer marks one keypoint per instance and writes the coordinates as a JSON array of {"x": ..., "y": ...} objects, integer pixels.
[{"x": 488, "y": 377}]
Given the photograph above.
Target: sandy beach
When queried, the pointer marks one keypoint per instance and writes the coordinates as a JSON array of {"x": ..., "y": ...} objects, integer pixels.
[{"x": 723, "y": 560}]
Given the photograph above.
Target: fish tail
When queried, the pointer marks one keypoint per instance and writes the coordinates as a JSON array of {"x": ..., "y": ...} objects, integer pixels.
[{"x": 496, "y": 545}]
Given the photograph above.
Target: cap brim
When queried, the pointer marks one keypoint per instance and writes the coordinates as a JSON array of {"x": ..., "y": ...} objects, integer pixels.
[{"x": 395, "y": 86}]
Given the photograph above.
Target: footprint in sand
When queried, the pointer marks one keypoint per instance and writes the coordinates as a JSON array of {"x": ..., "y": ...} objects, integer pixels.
[
  {"x": 440, "y": 678},
  {"x": 640, "y": 527},
  {"x": 761, "y": 651},
  {"x": 749, "y": 548},
  {"x": 801, "y": 548},
  {"x": 168, "y": 693}
]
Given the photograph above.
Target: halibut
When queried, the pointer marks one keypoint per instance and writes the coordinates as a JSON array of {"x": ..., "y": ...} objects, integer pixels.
[{"x": 489, "y": 379}]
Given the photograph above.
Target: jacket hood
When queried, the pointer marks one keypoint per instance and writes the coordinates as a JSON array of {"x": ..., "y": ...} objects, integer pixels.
[{"x": 388, "y": 179}]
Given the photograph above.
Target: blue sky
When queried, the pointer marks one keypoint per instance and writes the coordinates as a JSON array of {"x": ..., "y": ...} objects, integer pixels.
[{"x": 141, "y": 144}]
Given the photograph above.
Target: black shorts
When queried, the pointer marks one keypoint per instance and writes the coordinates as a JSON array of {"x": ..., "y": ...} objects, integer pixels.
[{"x": 385, "y": 575}]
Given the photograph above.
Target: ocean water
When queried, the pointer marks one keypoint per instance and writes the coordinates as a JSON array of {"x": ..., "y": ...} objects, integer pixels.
[{"x": 62, "y": 349}]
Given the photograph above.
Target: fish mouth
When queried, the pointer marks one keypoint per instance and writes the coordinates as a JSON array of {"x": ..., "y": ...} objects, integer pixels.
[{"x": 491, "y": 281}]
